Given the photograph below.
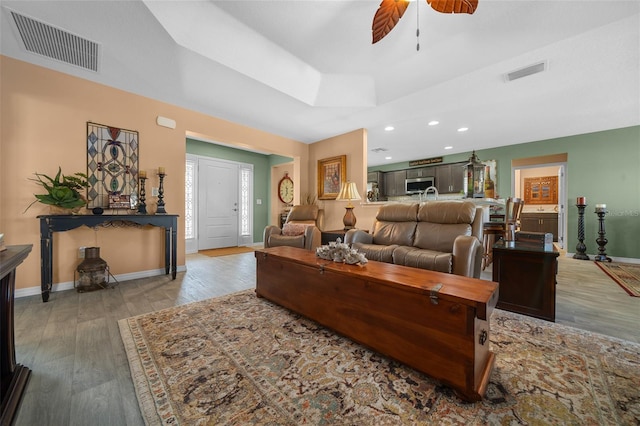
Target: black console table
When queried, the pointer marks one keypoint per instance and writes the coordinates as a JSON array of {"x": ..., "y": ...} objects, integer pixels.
[
  {"x": 58, "y": 223},
  {"x": 13, "y": 377}
]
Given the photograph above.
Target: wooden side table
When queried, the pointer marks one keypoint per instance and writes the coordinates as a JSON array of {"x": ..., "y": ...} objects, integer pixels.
[
  {"x": 328, "y": 236},
  {"x": 527, "y": 278},
  {"x": 13, "y": 376}
]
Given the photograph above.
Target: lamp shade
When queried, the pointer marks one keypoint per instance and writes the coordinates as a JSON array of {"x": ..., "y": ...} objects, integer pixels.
[{"x": 348, "y": 191}]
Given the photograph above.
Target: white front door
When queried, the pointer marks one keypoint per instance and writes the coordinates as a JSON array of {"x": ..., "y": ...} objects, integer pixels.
[{"x": 217, "y": 204}]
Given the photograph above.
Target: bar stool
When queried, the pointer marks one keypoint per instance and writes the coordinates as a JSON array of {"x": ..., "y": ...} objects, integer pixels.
[{"x": 493, "y": 231}]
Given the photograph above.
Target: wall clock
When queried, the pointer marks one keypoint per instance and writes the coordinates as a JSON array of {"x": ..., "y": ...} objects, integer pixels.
[{"x": 285, "y": 189}]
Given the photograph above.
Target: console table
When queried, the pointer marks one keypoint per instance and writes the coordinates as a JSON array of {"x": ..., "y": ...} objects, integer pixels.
[
  {"x": 58, "y": 223},
  {"x": 527, "y": 277},
  {"x": 13, "y": 377}
]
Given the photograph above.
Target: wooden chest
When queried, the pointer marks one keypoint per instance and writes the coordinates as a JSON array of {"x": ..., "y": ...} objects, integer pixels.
[{"x": 436, "y": 323}]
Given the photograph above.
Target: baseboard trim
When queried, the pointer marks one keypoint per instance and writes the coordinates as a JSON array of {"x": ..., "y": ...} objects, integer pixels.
[
  {"x": 33, "y": 291},
  {"x": 613, "y": 258}
]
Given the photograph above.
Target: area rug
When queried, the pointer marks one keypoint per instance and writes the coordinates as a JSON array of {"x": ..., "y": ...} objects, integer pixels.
[
  {"x": 227, "y": 251},
  {"x": 239, "y": 359},
  {"x": 627, "y": 275}
]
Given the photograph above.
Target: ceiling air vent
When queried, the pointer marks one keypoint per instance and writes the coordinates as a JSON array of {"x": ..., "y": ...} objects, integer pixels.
[
  {"x": 526, "y": 71},
  {"x": 56, "y": 43},
  {"x": 379, "y": 150}
]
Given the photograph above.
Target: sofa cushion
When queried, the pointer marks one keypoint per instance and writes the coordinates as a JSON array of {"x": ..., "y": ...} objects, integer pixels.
[
  {"x": 379, "y": 253},
  {"x": 401, "y": 233},
  {"x": 439, "y": 237},
  {"x": 285, "y": 240},
  {"x": 447, "y": 212},
  {"x": 423, "y": 259}
]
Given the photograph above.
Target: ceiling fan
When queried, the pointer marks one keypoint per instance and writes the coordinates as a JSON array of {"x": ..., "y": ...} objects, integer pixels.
[{"x": 390, "y": 12}]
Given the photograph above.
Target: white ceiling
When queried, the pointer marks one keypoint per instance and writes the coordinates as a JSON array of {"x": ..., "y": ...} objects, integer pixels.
[{"x": 307, "y": 69}]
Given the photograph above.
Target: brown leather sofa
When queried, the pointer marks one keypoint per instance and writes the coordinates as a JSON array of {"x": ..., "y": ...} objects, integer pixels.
[
  {"x": 442, "y": 236},
  {"x": 301, "y": 229}
]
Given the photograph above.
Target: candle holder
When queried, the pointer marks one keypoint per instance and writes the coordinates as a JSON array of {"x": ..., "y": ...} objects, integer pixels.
[
  {"x": 160, "y": 209},
  {"x": 601, "y": 240},
  {"x": 581, "y": 249},
  {"x": 142, "y": 207}
]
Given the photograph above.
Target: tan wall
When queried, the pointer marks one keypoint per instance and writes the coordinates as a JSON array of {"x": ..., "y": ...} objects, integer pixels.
[
  {"x": 44, "y": 115},
  {"x": 354, "y": 146}
]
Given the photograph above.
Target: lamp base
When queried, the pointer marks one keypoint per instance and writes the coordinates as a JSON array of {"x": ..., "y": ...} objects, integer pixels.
[{"x": 349, "y": 219}]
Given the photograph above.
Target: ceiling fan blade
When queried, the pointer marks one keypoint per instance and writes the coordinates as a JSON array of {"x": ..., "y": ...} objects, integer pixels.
[
  {"x": 386, "y": 17},
  {"x": 454, "y": 6}
]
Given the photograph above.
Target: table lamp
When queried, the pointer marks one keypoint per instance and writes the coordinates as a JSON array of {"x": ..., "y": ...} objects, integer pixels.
[{"x": 348, "y": 191}]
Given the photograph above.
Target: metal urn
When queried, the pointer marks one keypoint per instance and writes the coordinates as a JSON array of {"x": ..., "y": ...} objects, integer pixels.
[{"x": 93, "y": 271}]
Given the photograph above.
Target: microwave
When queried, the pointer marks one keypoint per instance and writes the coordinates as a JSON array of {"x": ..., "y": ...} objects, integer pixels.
[{"x": 418, "y": 185}]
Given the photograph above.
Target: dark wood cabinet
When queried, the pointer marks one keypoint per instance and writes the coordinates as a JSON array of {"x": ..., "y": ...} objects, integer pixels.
[
  {"x": 420, "y": 172},
  {"x": 13, "y": 376},
  {"x": 394, "y": 183},
  {"x": 449, "y": 178},
  {"x": 375, "y": 177},
  {"x": 540, "y": 222},
  {"x": 527, "y": 277}
]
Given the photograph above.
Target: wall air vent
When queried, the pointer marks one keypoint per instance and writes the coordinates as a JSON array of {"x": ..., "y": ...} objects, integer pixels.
[
  {"x": 55, "y": 43},
  {"x": 526, "y": 71}
]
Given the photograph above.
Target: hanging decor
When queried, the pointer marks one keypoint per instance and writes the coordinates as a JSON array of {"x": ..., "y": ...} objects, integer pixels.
[
  {"x": 112, "y": 165},
  {"x": 390, "y": 12}
]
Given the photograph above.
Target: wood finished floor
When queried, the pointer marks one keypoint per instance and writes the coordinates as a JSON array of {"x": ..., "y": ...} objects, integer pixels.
[{"x": 81, "y": 373}]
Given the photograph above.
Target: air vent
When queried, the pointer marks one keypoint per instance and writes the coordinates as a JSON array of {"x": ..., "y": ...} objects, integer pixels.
[
  {"x": 379, "y": 150},
  {"x": 55, "y": 43},
  {"x": 526, "y": 71}
]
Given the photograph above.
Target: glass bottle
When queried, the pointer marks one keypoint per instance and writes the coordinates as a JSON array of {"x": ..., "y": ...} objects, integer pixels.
[{"x": 489, "y": 185}]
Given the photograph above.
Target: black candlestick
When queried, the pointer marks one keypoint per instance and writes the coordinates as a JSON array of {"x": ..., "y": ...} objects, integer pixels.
[
  {"x": 581, "y": 249},
  {"x": 142, "y": 207},
  {"x": 601, "y": 240},
  {"x": 161, "y": 209}
]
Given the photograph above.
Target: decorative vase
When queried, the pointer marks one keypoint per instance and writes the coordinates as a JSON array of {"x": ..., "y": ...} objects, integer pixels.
[{"x": 57, "y": 210}]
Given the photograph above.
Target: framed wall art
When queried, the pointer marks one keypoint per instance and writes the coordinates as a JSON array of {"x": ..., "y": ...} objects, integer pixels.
[
  {"x": 112, "y": 164},
  {"x": 331, "y": 173},
  {"x": 541, "y": 190}
]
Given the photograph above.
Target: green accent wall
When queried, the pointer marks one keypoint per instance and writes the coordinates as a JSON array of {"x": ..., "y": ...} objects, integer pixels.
[
  {"x": 602, "y": 166},
  {"x": 261, "y": 175}
]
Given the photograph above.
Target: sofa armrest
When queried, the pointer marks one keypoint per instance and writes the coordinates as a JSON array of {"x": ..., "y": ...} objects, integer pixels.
[
  {"x": 268, "y": 231},
  {"x": 358, "y": 236},
  {"x": 312, "y": 237},
  {"x": 467, "y": 256}
]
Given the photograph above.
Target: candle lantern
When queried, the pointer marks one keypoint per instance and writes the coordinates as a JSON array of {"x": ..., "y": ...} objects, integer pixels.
[
  {"x": 93, "y": 271},
  {"x": 474, "y": 178}
]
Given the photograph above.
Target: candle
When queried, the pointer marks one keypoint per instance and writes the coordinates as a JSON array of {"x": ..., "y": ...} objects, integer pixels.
[
  {"x": 582, "y": 200},
  {"x": 142, "y": 174},
  {"x": 601, "y": 206},
  {"x": 161, "y": 170}
]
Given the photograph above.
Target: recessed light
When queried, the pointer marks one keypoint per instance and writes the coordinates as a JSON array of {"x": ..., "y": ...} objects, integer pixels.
[
  {"x": 463, "y": 129},
  {"x": 448, "y": 147},
  {"x": 434, "y": 122},
  {"x": 388, "y": 158},
  {"x": 389, "y": 128}
]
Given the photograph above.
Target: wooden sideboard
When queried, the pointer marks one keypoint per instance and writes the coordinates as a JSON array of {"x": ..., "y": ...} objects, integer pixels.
[
  {"x": 527, "y": 277},
  {"x": 13, "y": 377}
]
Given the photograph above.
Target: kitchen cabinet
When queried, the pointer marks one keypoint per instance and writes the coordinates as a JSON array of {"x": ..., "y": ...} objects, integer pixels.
[
  {"x": 375, "y": 177},
  {"x": 394, "y": 184},
  {"x": 450, "y": 178},
  {"x": 540, "y": 222},
  {"x": 420, "y": 172}
]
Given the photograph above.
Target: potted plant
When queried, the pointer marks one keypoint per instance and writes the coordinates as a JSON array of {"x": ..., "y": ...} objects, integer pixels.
[{"x": 63, "y": 192}]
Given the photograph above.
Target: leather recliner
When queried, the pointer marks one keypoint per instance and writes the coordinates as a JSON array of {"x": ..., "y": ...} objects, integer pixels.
[
  {"x": 441, "y": 236},
  {"x": 301, "y": 229}
]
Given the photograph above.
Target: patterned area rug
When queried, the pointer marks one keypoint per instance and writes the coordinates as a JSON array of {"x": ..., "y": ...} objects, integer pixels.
[
  {"x": 243, "y": 360},
  {"x": 627, "y": 275},
  {"x": 227, "y": 251}
]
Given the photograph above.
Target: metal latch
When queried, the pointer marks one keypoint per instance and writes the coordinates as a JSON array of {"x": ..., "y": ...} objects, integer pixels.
[{"x": 433, "y": 293}]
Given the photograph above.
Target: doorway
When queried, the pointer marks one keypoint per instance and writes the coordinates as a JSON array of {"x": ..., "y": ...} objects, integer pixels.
[
  {"x": 545, "y": 166},
  {"x": 218, "y": 210}
]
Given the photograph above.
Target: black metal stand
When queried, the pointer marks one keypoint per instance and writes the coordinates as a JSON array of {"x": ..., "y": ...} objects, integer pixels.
[
  {"x": 601, "y": 240},
  {"x": 142, "y": 207},
  {"x": 161, "y": 209},
  {"x": 581, "y": 249}
]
